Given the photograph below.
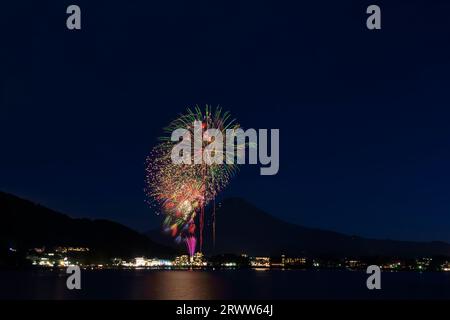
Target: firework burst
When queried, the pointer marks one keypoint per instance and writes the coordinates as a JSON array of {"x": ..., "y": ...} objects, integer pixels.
[{"x": 182, "y": 191}]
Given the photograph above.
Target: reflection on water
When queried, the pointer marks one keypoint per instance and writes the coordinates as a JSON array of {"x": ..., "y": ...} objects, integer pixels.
[
  {"x": 222, "y": 284},
  {"x": 183, "y": 285}
]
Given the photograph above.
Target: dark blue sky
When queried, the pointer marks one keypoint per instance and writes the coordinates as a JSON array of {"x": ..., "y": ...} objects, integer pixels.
[{"x": 363, "y": 115}]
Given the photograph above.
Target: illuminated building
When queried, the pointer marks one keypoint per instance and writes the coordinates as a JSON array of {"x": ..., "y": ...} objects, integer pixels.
[
  {"x": 229, "y": 264},
  {"x": 182, "y": 261},
  {"x": 298, "y": 261},
  {"x": 139, "y": 262},
  {"x": 45, "y": 262},
  {"x": 354, "y": 264},
  {"x": 259, "y": 262},
  {"x": 198, "y": 260},
  {"x": 158, "y": 263},
  {"x": 64, "y": 262},
  {"x": 392, "y": 266},
  {"x": 423, "y": 263},
  {"x": 71, "y": 249}
]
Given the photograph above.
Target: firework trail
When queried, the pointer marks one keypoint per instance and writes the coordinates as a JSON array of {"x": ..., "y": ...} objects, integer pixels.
[{"x": 182, "y": 191}]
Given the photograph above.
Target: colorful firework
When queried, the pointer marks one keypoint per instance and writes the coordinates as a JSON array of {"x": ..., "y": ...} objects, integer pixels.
[{"x": 184, "y": 190}]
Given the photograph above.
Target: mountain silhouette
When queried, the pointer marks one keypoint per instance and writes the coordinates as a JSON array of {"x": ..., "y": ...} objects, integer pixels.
[
  {"x": 240, "y": 228},
  {"x": 26, "y": 225},
  {"x": 243, "y": 228}
]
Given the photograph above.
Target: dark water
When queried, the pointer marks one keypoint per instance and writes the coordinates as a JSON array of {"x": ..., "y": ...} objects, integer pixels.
[{"x": 223, "y": 284}]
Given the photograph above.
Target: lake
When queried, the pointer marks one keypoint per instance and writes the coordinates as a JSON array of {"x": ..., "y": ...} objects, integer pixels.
[{"x": 223, "y": 284}]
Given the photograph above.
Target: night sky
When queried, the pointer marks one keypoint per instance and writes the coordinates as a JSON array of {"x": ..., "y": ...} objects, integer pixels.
[{"x": 364, "y": 116}]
